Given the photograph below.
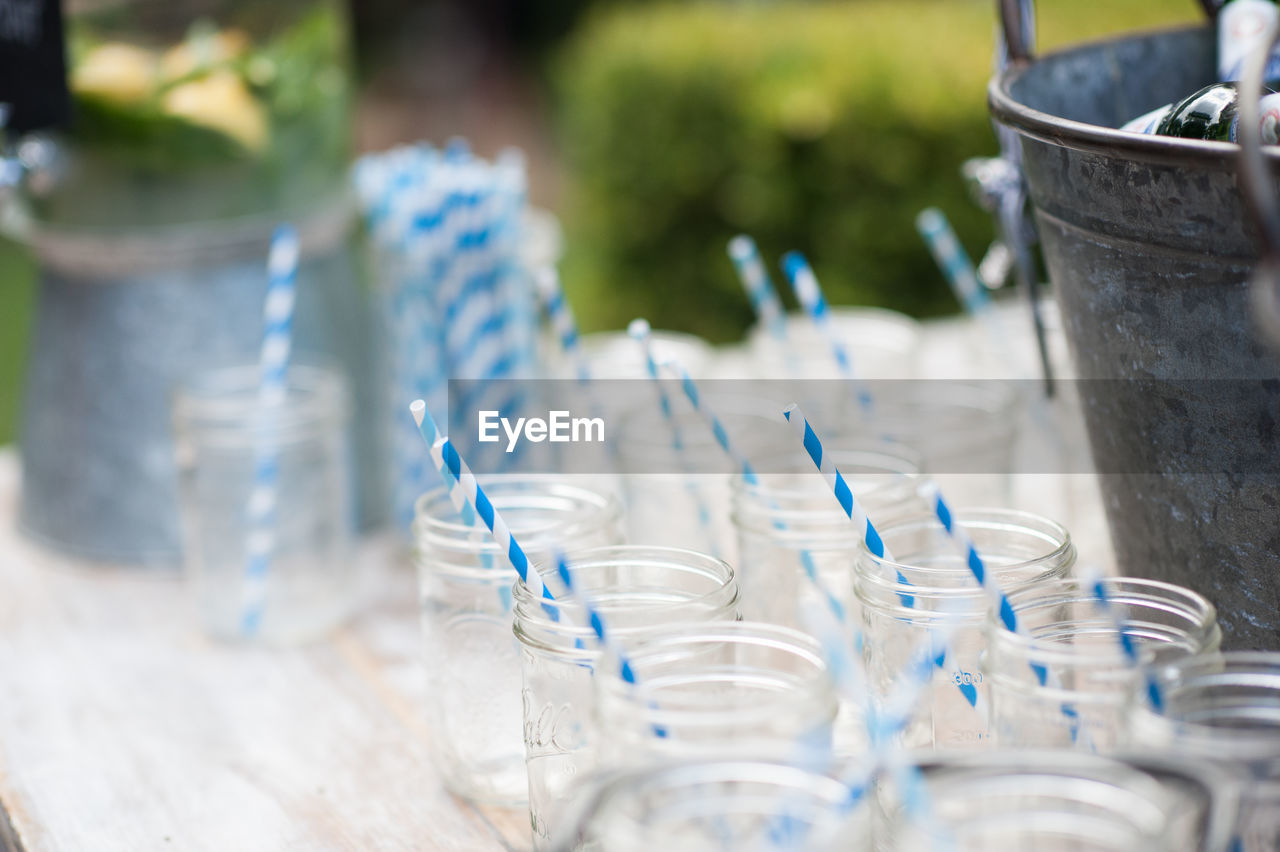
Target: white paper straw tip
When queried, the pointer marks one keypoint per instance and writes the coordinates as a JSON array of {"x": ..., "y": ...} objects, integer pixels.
[
  {"x": 741, "y": 247},
  {"x": 547, "y": 280},
  {"x": 638, "y": 329},
  {"x": 418, "y": 409},
  {"x": 283, "y": 257},
  {"x": 930, "y": 220}
]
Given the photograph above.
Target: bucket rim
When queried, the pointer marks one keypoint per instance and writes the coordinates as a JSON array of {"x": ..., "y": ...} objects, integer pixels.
[{"x": 1093, "y": 138}]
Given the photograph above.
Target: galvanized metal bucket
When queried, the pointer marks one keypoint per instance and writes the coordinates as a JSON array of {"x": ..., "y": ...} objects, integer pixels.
[
  {"x": 1150, "y": 251},
  {"x": 121, "y": 318}
]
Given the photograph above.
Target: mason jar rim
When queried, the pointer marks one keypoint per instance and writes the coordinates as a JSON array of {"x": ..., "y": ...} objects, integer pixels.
[
  {"x": 1199, "y": 614},
  {"x": 814, "y": 692},
  {"x": 615, "y": 356},
  {"x": 1009, "y": 771},
  {"x": 828, "y": 793},
  {"x": 644, "y": 434},
  {"x": 531, "y": 612},
  {"x": 585, "y": 508},
  {"x": 1214, "y": 730},
  {"x": 222, "y": 406},
  {"x": 902, "y": 331},
  {"x": 878, "y": 573},
  {"x": 757, "y": 506}
]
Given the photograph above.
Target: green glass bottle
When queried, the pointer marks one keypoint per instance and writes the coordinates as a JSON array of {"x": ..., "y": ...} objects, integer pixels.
[{"x": 1213, "y": 114}]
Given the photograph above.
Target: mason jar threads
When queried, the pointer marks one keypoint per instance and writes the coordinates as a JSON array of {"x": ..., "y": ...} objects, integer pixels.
[
  {"x": 225, "y": 442},
  {"x": 1066, "y": 632},
  {"x": 719, "y": 689},
  {"x": 788, "y": 523},
  {"x": 636, "y": 591},
  {"x": 927, "y": 587},
  {"x": 472, "y": 662},
  {"x": 1223, "y": 708},
  {"x": 739, "y": 805},
  {"x": 1036, "y": 800}
]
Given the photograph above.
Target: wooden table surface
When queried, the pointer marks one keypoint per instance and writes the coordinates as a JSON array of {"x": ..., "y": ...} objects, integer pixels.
[{"x": 123, "y": 728}]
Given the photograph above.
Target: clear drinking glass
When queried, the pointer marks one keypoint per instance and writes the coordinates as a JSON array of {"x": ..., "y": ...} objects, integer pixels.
[
  {"x": 882, "y": 344},
  {"x": 637, "y": 591},
  {"x": 681, "y": 498},
  {"x": 734, "y": 806},
  {"x": 1223, "y": 708},
  {"x": 789, "y": 522},
  {"x": 926, "y": 586},
  {"x": 472, "y": 662},
  {"x": 965, "y": 434},
  {"x": 616, "y": 355},
  {"x": 221, "y": 432},
  {"x": 1044, "y": 801},
  {"x": 1066, "y": 632},
  {"x": 715, "y": 690}
]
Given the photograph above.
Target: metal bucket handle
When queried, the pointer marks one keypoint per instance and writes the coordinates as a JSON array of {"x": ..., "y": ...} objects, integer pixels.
[
  {"x": 1017, "y": 34},
  {"x": 1255, "y": 185}
]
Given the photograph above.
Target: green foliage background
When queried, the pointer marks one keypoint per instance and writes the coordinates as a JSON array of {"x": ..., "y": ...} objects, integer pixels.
[
  {"x": 819, "y": 126},
  {"x": 17, "y": 292},
  {"x": 823, "y": 127}
]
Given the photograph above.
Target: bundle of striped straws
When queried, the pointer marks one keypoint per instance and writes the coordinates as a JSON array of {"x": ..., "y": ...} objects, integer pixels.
[{"x": 447, "y": 229}]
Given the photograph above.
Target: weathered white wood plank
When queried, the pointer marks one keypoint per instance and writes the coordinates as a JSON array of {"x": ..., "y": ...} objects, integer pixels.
[{"x": 122, "y": 728}]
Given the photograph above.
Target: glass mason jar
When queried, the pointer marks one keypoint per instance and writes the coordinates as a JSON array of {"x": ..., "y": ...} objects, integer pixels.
[
  {"x": 966, "y": 434},
  {"x": 735, "y": 806},
  {"x": 637, "y": 591},
  {"x": 196, "y": 111},
  {"x": 928, "y": 586},
  {"x": 221, "y": 435},
  {"x": 882, "y": 344},
  {"x": 718, "y": 690},
  {"x": 681, "y": 498},
  {"x": 788, "y": 519},
  {"x": 1047, "y": 801},
  {"x": 1070, "y": 636},
  {"x": 472, "y": 663},
  {"x": 790, "y": 522},
  {"x": 1223, "y": 708},
  {"x": 616, "y": 355}
]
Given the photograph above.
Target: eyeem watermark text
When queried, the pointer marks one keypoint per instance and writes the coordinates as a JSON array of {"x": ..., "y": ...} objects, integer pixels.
[{"x": 558, "y": 427}]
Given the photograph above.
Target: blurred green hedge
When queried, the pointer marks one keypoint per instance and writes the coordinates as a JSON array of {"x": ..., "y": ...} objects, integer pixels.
[
  {"x": 17, "y": 297},
  {"x": 823, "y": 127}
]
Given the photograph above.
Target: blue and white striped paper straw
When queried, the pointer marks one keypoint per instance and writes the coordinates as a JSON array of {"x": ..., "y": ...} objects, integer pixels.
[
  {"x": 952, "y": 259},
  {"x": 749, "y": 476},
  {"x": 849, "y": 675},
  {"x": 448, "y": 225},
  {"x": 563, "y": 324},
  {"x": 277, "y": 337},
  {"x": 991, "y": 586},
  {"x": 1097, "y": 584},
  {"x": 972, "y": 560},
  {"x": 809, "y": 294},
  {"x": 870, "y": 537},
  {"x": 639, "y": 331},
  {"x": 760, "y": 290},
  {"x": 430, "y": 431},
  {"x": 718, "y": 431},
  {"x": 844, "y": 494},
  {"x": 604, "y": 638},
  {"x": 961, "y": 276},
  {"x": 465, "y": 489}
]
